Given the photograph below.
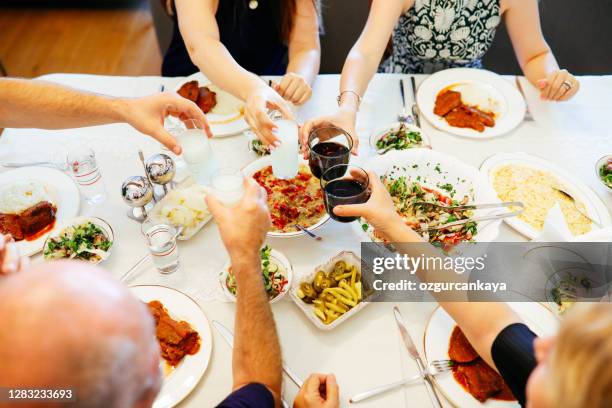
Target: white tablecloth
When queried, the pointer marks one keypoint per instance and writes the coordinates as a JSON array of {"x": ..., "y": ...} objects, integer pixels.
[{"x": 367, "y": 350}]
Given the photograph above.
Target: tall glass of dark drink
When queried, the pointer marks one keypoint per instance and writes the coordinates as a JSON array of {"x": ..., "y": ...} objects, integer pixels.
[
  {"x": 343, "y": 185},
  {"x": 328, "y": 147}
]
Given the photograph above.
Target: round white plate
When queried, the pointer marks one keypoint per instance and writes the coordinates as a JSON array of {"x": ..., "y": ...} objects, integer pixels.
[
  {"x": 436, "y": 339},
  {"x": 265, "y": 161},
  {"x": 63, "y": 191},
  {"x": 383, "y": 130},
  {"x": 510, "y": 105},
  {"x": 596, "y": 209},
  {"x": 435, "y": 168},
  {"x": 220, "y": 125},
  {"x": 279, "y": 257},
  {"x": 183, "y": 379}
]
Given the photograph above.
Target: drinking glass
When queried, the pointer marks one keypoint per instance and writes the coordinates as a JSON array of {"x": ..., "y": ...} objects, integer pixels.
[
  {"x": 228, "y": 185},
  {"x": 285, "y": 157},
  {"x": 83, "y": 166},
  {"x": 197, "y": 151},
  {"x": 343, "y": 185},
  {"x": 328, "y": 147},
  {"x": 161, "y": 241}
]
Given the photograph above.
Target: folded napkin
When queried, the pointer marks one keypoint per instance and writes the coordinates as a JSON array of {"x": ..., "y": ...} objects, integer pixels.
[{"x": 556, "y": 230}]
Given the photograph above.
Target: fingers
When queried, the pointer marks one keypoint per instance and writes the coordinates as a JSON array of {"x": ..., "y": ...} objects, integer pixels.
[
  {"x": 216, "y": 208},
  {"x": 10, "y": 262},
  {"x": 558, "y": 88},
  {"x": 313, "y": 382},
  {"x": 354, "y": 210},
  {"x": 292, "y": 88},
  {"x": 264, "y": 128},
  {"x": 165, "y": 138},
  {"x": 332, "y": 390},
  {"x": 571, "y": 92}
]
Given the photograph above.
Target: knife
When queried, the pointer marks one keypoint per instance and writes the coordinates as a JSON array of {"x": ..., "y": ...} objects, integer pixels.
[
  {"x": 416, "y": 357},
  {"x": 228, "y": 336},
  {"x": 415, "y": 108}
]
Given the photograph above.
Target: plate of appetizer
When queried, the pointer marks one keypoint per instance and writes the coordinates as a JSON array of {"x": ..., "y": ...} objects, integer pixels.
[
  {"x": 472, "y": 382},
  {"x": 420, "y": 175},
  {"x": 398, "y": 136},
  {"x": 291, "y": 201},
  {"x": 225, "y": 112},
  {"x": 183, "y": 207},
  {"x": 34, "y": 202},
  {"x": 540, "y": 185},
  {"x": 276, "y": 272},
  {"x": 333, "y": 292},
  {"x": 88, "y": 239},
  {"x": 185, "y": 339},
  {"x": 603, "y": 170},
  {"x": 470, "y": 102}
]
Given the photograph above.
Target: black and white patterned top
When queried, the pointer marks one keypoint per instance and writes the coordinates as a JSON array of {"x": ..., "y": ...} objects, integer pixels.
[{"x": 439, "y": 34}]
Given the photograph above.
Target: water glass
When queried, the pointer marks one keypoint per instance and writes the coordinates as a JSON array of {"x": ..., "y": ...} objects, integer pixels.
[
  {"x": 344, "y": 185},
  {"x": 328, "y": 147},
  {"x": 83, "y": 166},
  {"x": 228, "y": 185},
  {"x": 285, "y": 158},
  {"x": 197, "y": 151},
  {"x": 161, "y": 241}
]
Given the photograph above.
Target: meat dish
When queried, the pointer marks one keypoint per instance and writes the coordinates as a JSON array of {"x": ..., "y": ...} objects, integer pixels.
[
  {"x": 473, "y": 373},
  {"x": 176, "y": 338},
  {"x": 450, "y": 106},
  {"x": 30, "y": 223},
  {"x": 292, "y": 201},
  {"x": 201, "y": 96}
]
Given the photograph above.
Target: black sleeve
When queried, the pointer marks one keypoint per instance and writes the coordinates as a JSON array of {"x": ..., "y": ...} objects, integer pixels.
[
  {"x": 250, "y": 396},
  {"x": 513, "y": 354}
]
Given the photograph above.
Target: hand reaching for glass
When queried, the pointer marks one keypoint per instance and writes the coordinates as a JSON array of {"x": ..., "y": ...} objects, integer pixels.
[
  {"x": 258, "y": 102},
  {"x": 243, "y": 227},
  {"x": 343, "y": 119}
]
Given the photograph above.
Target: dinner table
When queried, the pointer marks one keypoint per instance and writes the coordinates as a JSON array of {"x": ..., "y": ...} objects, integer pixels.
[{"x": 366, "y": 350}]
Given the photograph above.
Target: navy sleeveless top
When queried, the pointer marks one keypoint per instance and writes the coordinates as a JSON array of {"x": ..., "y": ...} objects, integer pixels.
[{"x": 253, "y": 38}]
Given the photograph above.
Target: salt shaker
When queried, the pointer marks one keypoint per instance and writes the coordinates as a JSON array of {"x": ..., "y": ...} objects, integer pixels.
[
  {"x": 137, "y": 192},
  {"x": 161, "y": 169}
]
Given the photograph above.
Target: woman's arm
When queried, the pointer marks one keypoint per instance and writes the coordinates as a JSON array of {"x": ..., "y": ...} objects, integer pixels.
[
  {"x": 480, "y": 321},
  {"x": 360, "y": 65},
  {"x": 200, "y": 32},
  {"x": 533, "y": 53},
  {"x": 304, "y": 54}
]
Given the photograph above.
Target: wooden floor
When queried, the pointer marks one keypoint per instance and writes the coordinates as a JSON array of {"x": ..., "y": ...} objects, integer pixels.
[{"x": 117, "y": 41}]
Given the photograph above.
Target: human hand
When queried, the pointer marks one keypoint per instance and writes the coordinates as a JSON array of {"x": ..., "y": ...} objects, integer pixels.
[
  {"x": 243, "y": 227},
  {"x": 558, "y": 86},
  {"x": 10, "y": 261},
  {"x": 343, "y": 119},
  {"x": 319, "y": 391},
  {"x": 147, "y": 115},
  {"x": 256, "y": 115},
  {"x": 379, "y": 210},
  {"x": 293, "y": 88}
]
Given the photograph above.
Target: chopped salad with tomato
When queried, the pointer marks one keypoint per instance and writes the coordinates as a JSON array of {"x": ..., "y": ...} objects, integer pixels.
[
  {"x": 274, "y": 275},
  {"x": 420, "y": 217}
]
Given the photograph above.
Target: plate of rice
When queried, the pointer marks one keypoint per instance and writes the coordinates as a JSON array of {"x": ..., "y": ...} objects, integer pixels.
[{"x": 536, "y": 183}]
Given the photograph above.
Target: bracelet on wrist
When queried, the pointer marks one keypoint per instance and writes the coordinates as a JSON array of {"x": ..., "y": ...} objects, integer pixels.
[{"x": 339, "y": 98}]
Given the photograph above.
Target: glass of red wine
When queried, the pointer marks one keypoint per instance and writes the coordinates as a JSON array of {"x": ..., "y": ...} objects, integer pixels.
[
  {"x": 343, "y": 185},
  {"x": 328, "y": 147}
]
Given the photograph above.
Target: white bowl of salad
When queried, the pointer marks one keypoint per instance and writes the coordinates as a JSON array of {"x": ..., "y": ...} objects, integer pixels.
[
  {"x": 276, "y": 272},
  {"x": 603, "y": 169},
  {"x": 88, "y": 239}
]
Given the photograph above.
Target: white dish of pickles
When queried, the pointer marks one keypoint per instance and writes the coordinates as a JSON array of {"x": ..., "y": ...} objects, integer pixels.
[{"x": 332, "y": 293}]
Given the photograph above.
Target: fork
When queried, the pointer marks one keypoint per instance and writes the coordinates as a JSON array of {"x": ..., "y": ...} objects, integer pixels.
[
  {"x": 434, "y": 369},
  {"x": 573, "y": 200},
  {"x": 470, "y": 206},
  {"x": 403, "y": 116},
  {"x": 528, "y": 115}
]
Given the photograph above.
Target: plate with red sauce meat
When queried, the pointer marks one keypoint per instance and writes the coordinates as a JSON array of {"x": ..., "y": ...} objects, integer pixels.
[
  {"x": 185, "y": 338},
  {"x": 472, "y": 103},
  {"x": 293, "y": 201},
  {"x": 225, "y": 112},
  {"x": 473, "y": 383},
  {"x": 34, "y": 203}
]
